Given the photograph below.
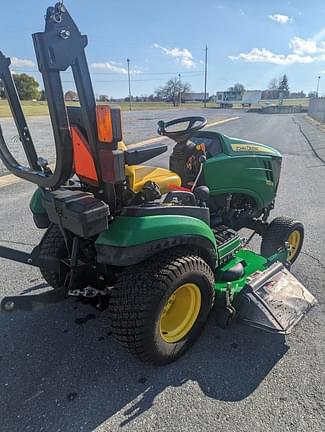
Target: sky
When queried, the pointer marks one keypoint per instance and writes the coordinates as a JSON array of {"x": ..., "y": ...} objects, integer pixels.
[{"x": 249, "y": 41}]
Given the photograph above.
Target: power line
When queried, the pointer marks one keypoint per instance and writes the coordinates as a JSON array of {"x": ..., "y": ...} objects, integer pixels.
[
  {"x": 116, "y": 81},
  {"x": 116, "y": 73}
]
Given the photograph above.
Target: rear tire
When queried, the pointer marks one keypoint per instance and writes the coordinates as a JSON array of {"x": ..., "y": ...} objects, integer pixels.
[
  {"x": 149, "y": 301},
  {"x": 281, "y": 230},
  {"x": 53, "y": 246}
]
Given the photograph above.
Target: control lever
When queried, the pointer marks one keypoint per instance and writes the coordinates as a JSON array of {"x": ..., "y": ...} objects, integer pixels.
[{"x": 202, "y": 159}]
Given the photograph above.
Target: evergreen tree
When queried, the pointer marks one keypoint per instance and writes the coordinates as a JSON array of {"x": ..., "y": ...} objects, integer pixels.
[{"x": 284, "y": 86}]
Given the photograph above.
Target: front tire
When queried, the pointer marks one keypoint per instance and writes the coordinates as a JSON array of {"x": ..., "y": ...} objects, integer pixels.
[
  {"x": 281, "y": 230},
  {"x": 159, "y": 307}
]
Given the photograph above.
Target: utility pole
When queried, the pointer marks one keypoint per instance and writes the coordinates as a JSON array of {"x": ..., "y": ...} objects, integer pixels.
[
  {"x": 130, "y": 105},
  {"x": 205, "y": 76},
  {"x": 318, "y": 78},
  {"x": 179, "y": 90}
]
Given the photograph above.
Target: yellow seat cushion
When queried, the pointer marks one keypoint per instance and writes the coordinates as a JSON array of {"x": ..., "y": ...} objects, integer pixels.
[{"x": 139, "y": 174}]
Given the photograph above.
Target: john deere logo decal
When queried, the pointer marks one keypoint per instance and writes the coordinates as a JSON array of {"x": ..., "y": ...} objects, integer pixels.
[{"x": 250, "y": 148}]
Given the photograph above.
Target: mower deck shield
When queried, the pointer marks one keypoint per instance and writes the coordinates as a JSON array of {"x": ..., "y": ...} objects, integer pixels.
[{"x": 274, "y": 300}]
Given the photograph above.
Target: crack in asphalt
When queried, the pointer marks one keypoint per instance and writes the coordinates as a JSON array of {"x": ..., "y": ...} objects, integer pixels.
[
  {"x": 308, "y": 140},
  {"x": 319, "y": 262}
]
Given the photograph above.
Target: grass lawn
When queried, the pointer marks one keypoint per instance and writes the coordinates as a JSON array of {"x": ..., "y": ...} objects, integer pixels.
[{"x": 37, "y": 108}]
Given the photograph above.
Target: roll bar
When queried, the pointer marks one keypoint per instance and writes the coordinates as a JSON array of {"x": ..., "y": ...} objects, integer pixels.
[{"x": 59, "y": 47}]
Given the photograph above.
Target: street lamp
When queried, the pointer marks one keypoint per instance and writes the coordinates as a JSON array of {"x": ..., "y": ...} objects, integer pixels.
[
  {"x": 130, "y": 106},
  {"x": 179, "y": 90},
  {"x": 318, "y": 78}
]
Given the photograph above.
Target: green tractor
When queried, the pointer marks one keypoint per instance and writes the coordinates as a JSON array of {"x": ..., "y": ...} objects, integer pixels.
[{"x": 155, "y": 249}]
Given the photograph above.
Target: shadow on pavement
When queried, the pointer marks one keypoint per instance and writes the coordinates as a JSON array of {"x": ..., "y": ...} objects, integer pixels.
[{"x": 62, "y": 370}]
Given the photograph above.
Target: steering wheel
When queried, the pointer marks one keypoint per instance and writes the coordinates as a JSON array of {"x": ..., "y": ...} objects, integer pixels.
[{"x": 165, "y": 128}]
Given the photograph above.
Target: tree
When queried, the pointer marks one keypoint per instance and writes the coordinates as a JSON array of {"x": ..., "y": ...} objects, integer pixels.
[
  {"x": 172, "y": 91},
  {"x": 238, "y": 88},
  {"x": 70, "y": 95},
  {"x": 42, "y": 96},
  {"x": 274, "y": 84},
  {"x": 27, "y": 86},
  {"x": 284, "y": 86},
  {"x": 103, "y": 98},
  {"x": 312, "y": 95}
]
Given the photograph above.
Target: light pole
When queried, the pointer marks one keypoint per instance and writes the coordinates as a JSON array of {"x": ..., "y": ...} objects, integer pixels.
[
  {"x": 130, "y": 105},
  {"x": 179, "y": 90},
  {"x": 318, "y": 79},
  {"x": 205, "y": 76}
]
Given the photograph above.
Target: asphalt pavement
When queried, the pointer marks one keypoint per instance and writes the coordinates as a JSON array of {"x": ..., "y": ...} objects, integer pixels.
[
  {"x": 61, "y": 370},
  {"x": 137, "y": 125}
]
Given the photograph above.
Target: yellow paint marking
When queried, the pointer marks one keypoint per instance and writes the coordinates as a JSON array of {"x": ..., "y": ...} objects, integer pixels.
[
  {"x": 10, "y": 179},
  {"x": 157, "y": 139},
  {"x": 219, "y": 122}
]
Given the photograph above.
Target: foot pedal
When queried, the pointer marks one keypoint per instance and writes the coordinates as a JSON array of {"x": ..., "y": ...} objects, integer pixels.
[{"x": 274, "y": 301}]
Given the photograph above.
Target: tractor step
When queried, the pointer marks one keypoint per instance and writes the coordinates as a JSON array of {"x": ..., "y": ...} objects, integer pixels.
[{"x": 274, "y": 300}]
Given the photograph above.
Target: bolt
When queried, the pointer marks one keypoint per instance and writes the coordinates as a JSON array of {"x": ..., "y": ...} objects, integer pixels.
[
  {"x": 9, "y": 306},
  {"x": 29, "y": 261},
  {"x": 65, "y": 34}
]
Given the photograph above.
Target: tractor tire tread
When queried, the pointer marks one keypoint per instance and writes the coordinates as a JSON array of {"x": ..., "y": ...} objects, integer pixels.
[
  {"x": 276, "y": 232},
  {"x": 136, "y": 292},
  {"x": 52, "y": 246}
]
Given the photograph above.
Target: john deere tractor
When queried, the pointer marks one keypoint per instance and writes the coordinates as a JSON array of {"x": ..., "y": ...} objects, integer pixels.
[{"x": 155, "y": 249}]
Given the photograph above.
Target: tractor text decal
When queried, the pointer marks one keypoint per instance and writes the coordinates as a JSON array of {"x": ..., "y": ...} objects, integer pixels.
[{"x": 250, "y": 148}]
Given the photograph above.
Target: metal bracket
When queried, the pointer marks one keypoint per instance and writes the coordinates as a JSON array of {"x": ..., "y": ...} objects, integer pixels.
[{"x": 33, "y": 302}]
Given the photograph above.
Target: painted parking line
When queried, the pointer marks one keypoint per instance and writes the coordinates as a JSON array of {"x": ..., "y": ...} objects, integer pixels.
[
  {"x": 10, "y": 179},
  {"x": 157, "y": 139}
]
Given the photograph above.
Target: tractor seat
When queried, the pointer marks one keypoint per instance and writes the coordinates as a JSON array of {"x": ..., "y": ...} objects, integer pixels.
[{"x": 138, "y": 175}]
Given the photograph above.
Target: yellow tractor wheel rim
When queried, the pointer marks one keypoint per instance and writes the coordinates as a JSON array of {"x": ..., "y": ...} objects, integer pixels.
[
  {"x": 180, "y": 313},
  {"x": 294, "y": 240}
]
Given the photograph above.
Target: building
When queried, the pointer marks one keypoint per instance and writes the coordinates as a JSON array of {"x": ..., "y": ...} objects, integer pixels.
[
  {"x": 228, "y": 96},
  {"x": 194, "y": 97}
]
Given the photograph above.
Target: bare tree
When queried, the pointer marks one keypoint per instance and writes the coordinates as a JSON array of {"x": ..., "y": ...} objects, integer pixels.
[
  {"x": 172, "y": 91},
  {"x": 238, "y": 88},
  {"x": 70, "y": 95},
  {"x": 274, "y": 84}
]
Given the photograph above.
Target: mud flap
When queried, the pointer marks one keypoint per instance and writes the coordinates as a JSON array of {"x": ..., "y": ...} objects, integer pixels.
[{"x": 274, "y": 300}]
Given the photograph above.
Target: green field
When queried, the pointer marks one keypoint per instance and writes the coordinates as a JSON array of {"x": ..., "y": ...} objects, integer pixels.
[{"x": 37, "y": 108}]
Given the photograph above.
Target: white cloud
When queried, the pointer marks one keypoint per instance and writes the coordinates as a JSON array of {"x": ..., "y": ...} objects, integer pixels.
[
  {"x": 257, "y": 55},
  {"x": 303, "y": 51},
  {"x": 116, "y": 68},
  {"x": 183, "y": 56},
  {"x": 15, "y": 61},
  {"x": 302, "y": 46},
  {"x": 306, "y": 46},
  {"x": 281, "y": 19}
]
